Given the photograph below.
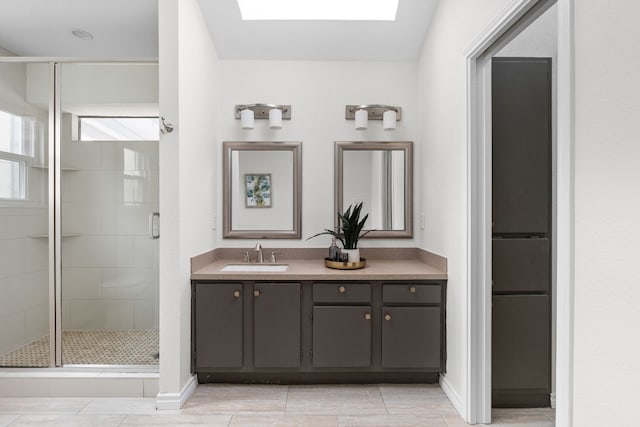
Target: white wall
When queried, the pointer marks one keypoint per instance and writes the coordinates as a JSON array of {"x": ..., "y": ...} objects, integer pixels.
[
  {"x": 318, "y": 92},
  {"x": 442, "y": 157},
  {"x": 607, "y": 210},
  {"x": 189, "y": 78}
]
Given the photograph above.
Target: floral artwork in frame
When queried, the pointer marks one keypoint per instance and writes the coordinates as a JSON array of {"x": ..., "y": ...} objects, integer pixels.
[{"x": 258, "y": 189}]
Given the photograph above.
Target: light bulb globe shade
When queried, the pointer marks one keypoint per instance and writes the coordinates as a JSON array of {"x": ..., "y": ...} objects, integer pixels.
[
  {"x": 246, "y": 119},
  {"x": 389, "y": 120},
  {"x": 362, "y": 119},
  {"x": 275, "y": 118}
]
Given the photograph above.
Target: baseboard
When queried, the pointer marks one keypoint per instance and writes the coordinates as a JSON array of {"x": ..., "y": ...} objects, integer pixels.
[
  {"x": 552, "y": 400},
  {"x": 453, "y": 396},
  {"x": 175, "y": 401}
]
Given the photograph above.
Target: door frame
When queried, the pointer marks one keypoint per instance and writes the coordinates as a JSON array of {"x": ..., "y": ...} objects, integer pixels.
[{"x": 508, "y": 24}]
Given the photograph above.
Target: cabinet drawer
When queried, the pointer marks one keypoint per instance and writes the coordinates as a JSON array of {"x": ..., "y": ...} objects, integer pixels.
[
  {"x": 401, "y": 293},
  {"x": 336, "y": 293}
]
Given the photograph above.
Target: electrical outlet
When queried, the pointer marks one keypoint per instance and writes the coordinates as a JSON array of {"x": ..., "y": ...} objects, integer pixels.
[{"x": 422, "y": 221}]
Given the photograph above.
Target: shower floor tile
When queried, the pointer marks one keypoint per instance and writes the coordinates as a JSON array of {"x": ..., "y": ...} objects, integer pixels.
[{"x": 90, "y": 348}]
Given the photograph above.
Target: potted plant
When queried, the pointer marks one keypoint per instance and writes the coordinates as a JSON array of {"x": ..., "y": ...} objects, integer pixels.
[{"x": 349, "y": 231}]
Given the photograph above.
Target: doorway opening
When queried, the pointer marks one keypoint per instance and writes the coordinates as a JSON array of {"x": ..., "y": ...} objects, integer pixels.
[{"x": 508, "y": 26}]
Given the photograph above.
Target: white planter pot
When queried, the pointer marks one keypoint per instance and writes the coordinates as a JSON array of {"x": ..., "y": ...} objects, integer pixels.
[{"x": 354, "y": 254}]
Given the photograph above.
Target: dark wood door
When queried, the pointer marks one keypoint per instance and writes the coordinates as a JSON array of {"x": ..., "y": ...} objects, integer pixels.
[
  {"x": 411, "y": 337},
  {"x": 218, "y": 325},
  {"x": 341, "y": 336},
  {"x": 521, "y": 360},
  {"x": 521, "y": 110},
  {"x": 276, "y": 325}
]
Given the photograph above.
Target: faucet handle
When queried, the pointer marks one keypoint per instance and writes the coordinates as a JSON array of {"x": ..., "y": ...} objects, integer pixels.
[
  {"x": 247, "y": 258},
  {"x": 273, "y": 256}
]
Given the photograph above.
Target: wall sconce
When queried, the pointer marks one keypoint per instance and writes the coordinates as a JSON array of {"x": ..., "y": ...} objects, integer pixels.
[
  {"x": 275, "y": 113},
  {"x": 363, "y": 113}
]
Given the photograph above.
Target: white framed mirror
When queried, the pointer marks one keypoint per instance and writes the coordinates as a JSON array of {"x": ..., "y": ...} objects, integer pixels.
[
  {"x": 380, "y": 175},
  {"x": 262, "y": 184}
]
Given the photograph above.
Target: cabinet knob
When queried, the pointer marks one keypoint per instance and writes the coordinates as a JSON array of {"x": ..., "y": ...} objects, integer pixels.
[
  {"x": 367, "y": 316},
  {"x": 412, "y": 289},
  {"x": 387, "y": 316},
  {"x": 342, "y": 289},
  {"x": 256, "y": 293},
  {"x": 236, "y": 294}
]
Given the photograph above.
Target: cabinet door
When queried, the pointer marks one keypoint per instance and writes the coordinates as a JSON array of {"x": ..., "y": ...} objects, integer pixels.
[
  {"x": 521, "y": 265},
  {"x": 521, "y": 165},
  {"x": 520, "y": 343},
  {"x": 341, "y": 337},
  {"x": 276, "y": 325},
  {"x": 218, "y": 325},
  {"x": 411, "y": 337}
]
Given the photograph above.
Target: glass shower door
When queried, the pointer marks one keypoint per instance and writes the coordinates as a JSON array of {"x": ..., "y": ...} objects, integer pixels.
[
  {"x": 24, "y": 212},
  {"x": 109, "y": 197}
]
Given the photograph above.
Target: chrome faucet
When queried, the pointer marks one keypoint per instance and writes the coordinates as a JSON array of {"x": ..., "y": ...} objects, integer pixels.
[{"x": 258, "y": 249}]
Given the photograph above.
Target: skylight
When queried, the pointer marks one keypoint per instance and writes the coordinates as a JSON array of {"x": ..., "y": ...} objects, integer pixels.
[{"x": 319, "y": 10}]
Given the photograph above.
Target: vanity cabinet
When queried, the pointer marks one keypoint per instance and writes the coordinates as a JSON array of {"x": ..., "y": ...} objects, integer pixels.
[
  {"x": 218, "y": 310},
  {"x": 318, "y": 331},
  {"x": 411, "y": 326},
  {"x": 341, "y": 325},
  {"x": 276, "y": 325}
]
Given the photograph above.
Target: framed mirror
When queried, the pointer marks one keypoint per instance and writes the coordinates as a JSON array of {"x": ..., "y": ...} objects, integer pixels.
[
  {"x": 379, "y": 174},
  {"x": 262, "y": 190}
]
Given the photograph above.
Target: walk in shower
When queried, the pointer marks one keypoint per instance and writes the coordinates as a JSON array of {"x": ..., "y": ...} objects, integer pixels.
[{"x": 78, "y": 198}]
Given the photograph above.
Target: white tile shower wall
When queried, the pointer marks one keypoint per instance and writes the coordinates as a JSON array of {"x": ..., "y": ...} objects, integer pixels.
[
  {"x": 110, "y": 270},
  {"x": 24, "y": 285}
]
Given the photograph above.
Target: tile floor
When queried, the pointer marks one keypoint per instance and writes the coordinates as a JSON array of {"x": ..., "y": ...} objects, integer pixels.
[{"x": 265, "y": 405}]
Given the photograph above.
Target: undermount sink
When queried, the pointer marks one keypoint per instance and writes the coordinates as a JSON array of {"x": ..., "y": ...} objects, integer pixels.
[{"x": 255, "y": 268}]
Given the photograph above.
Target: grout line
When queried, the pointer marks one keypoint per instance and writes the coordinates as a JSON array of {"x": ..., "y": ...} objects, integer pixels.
[{"x": 384, "y": 402}]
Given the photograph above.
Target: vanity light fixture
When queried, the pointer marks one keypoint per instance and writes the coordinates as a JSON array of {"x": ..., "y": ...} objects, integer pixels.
[
  {"x": 275, "y": 113},
  {"x": 389, "y": 115}
]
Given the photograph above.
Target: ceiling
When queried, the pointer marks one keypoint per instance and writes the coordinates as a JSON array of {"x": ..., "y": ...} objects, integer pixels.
[{"x": 129, "y": 28}]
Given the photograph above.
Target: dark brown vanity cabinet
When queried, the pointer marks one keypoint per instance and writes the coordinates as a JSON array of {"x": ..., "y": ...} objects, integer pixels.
[
  {"x": 412, "y": 326},
  {"x": 318, "y": 331},
  {"x": 341, "y": 325},
  {"x": 218, "y": 310},
  {"x": 235, "y": 321},
  {"x": 276, "y": 325}
]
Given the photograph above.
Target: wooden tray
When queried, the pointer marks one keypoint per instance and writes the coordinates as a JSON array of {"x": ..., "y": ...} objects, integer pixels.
[{"x": 340, "y": 265}]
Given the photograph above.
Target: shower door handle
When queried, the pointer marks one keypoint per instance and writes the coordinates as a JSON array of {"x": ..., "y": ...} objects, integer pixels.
[{"x": 154, "y": 225}]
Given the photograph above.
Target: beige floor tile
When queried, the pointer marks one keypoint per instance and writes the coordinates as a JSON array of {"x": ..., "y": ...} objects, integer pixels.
[
  {"x": 5, "y": 420},
  {"x": 416, "y": 399},
  {"x": 68, "y": 420},
  {"x": 120, "y": 406},
  {"x": 238, "y": 400},
  {"x": 284, "y": 421},
  {"x": 42, "y": 405},
  {"x": 335, "y": 400},
  {"x": 392, "y": 421},
  {"x": 534, "y": 417},
  {"x": 413, "y": 391},
  {"x": 182, "y": 420},
  {"x": 455, "y": 421}
]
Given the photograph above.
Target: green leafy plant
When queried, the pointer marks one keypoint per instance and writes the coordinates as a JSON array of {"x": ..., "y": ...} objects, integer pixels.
[{"x": 349, "y": 229}]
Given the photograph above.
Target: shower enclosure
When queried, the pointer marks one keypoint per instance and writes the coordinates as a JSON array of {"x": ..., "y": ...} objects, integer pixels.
[{"x": 78, "y": 193}]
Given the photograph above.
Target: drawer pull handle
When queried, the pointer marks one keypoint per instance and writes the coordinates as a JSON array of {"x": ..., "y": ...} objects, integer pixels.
[
  {"x": 342, "y": 289},
  {"x": 256, "y": 293},
  {"x": 412, "y": 289},
  {"x": 236, "y": 294},
  {"x": 367, "y": 316},
  {"x": 387, "y": 317}
]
